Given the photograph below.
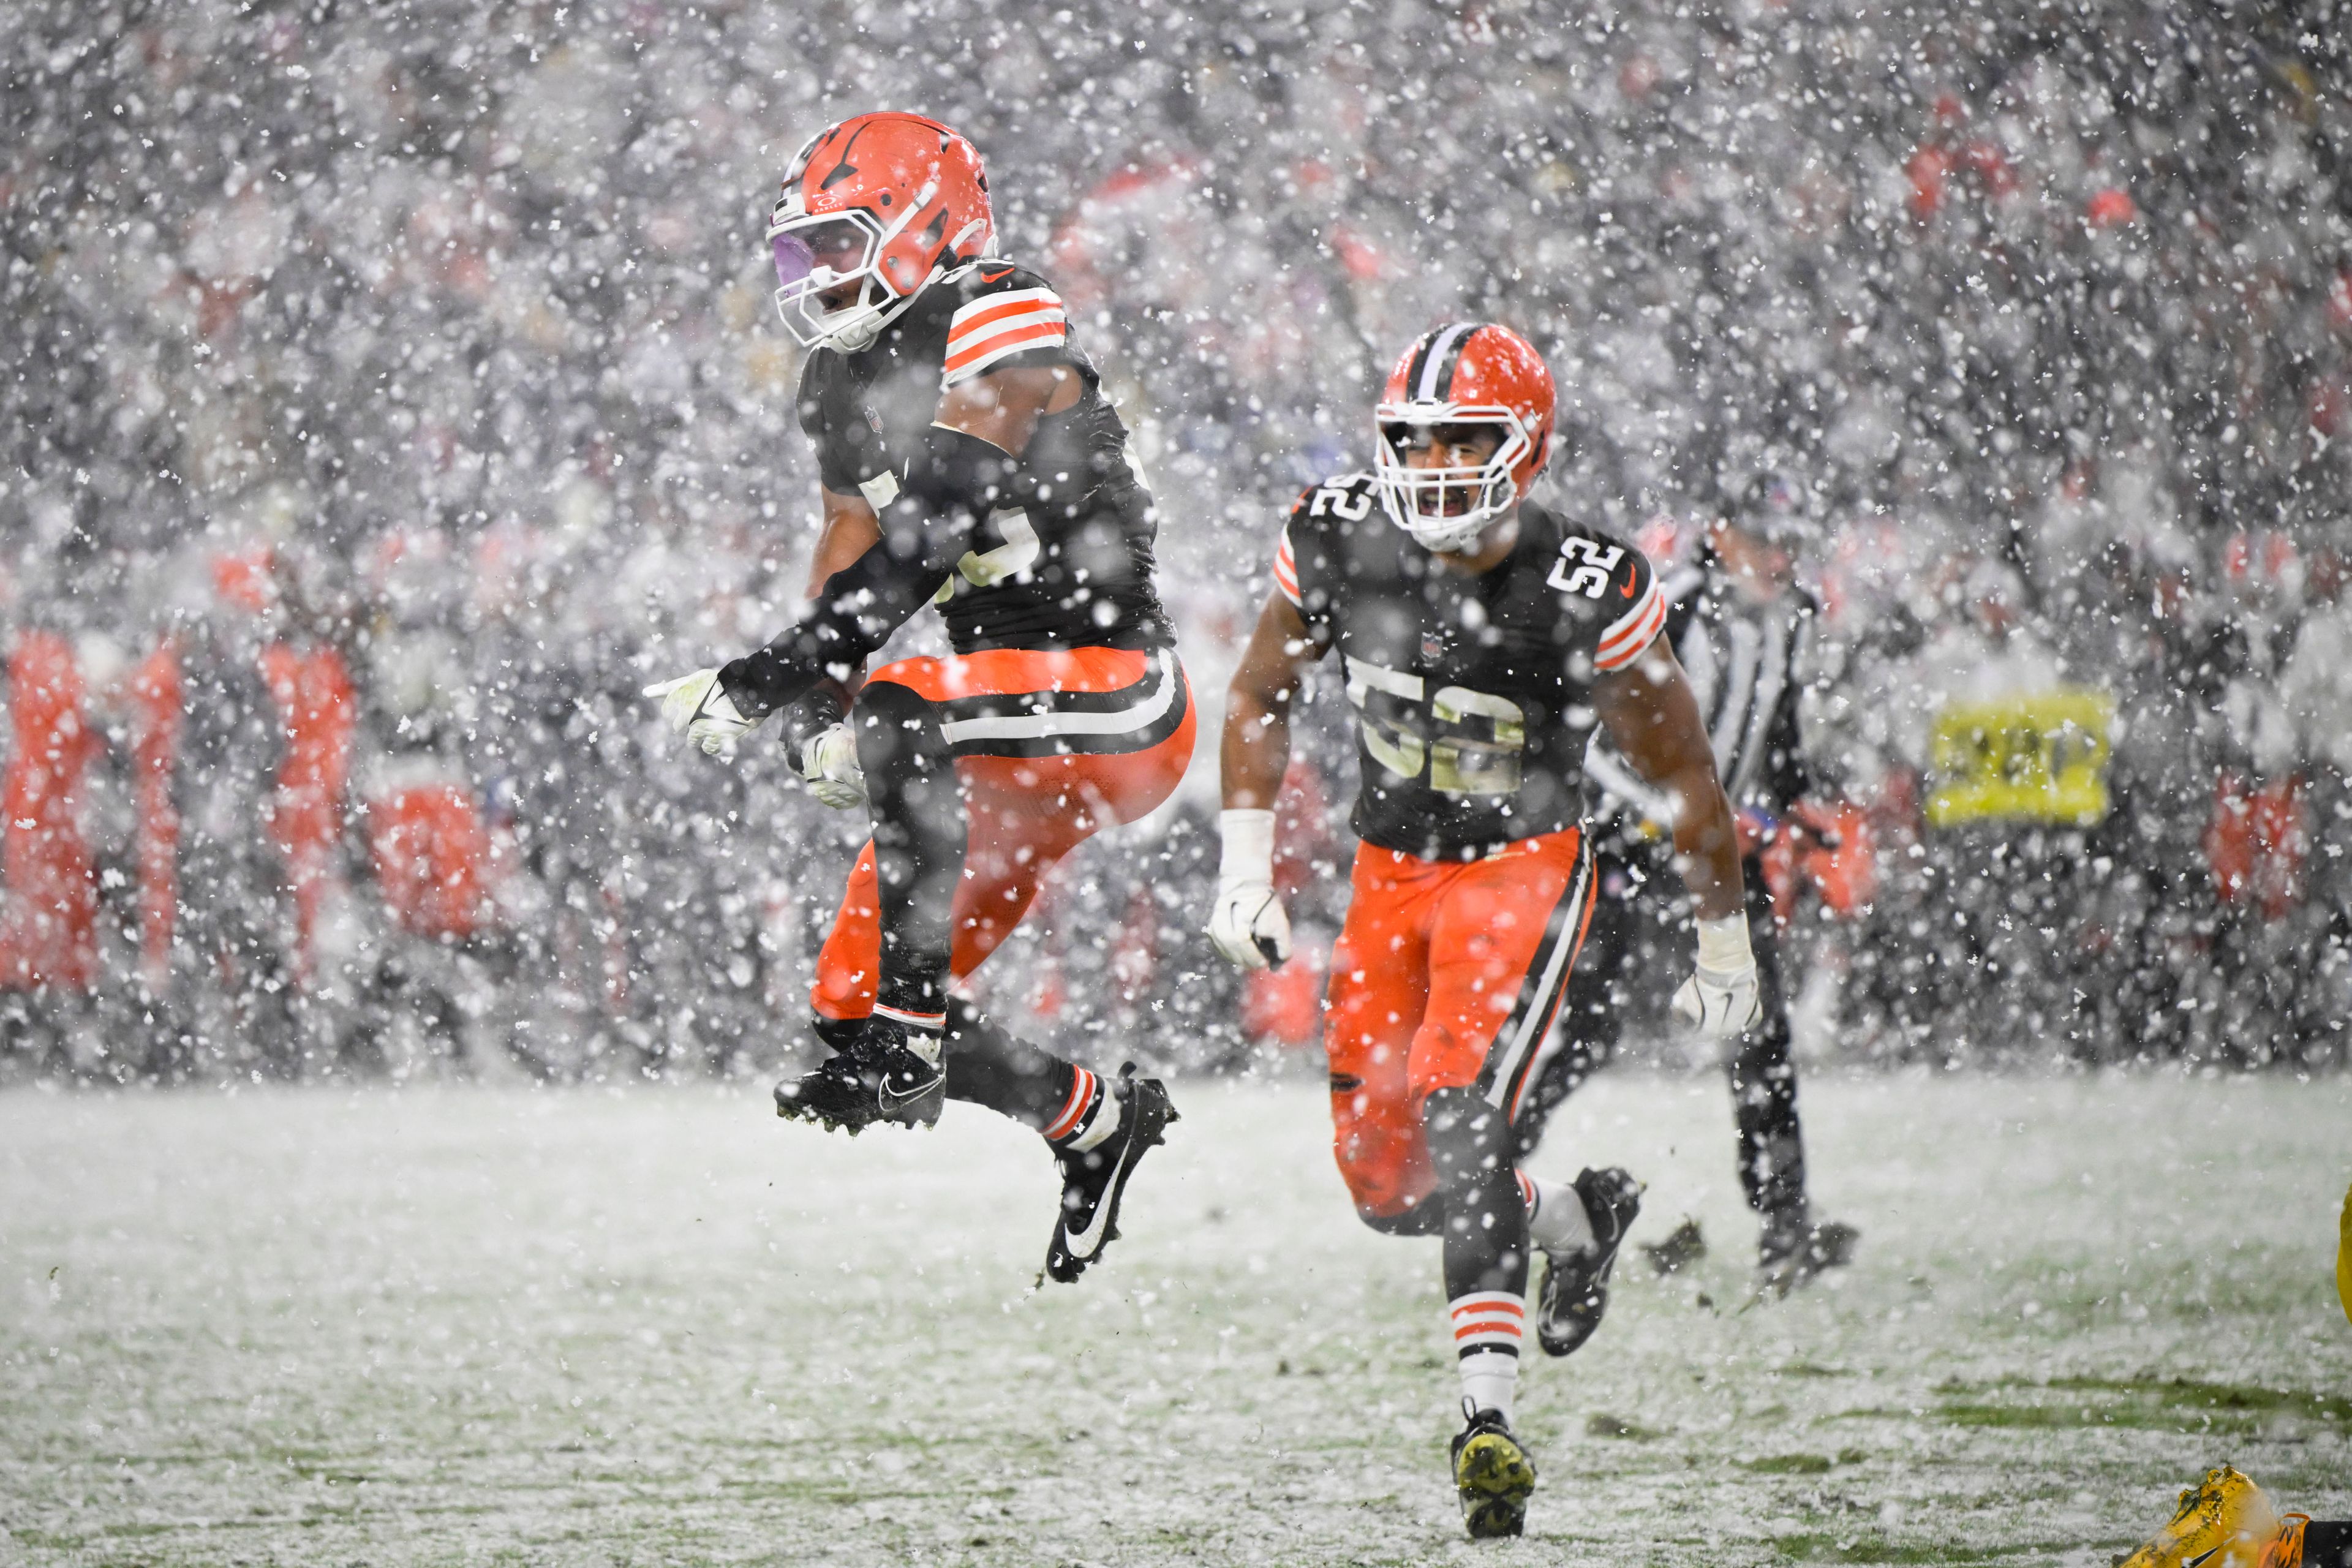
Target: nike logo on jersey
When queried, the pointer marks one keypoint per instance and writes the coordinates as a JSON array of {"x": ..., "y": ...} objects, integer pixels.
[{"x": 1627, "y": 591}]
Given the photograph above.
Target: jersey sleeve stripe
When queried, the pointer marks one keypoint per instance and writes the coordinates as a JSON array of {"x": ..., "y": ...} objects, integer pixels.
[
  {"x": 977, "y": 322},
  {"x": 979, "y": 339},
  {"x": 1631, "y": 632},
  {"x": 994, "y": 307},
  {"x": 964, "y": 369},
  {"x": 1285, "y": 571}
]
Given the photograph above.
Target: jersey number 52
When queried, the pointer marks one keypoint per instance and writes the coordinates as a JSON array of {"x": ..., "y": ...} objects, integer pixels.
[
  {"x": 1469, "y": 743},
  {"x": 1590, "y": 577}
]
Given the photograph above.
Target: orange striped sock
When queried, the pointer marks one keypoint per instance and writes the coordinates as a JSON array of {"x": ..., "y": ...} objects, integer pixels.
[
  {"x": 1079, "y": 1125},
  {"x": 1488, "y": 1326}
]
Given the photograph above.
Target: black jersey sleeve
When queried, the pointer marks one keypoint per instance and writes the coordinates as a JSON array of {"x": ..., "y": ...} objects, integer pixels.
[
  {"x": 1008, "y": 318},
  {"x": 1619, "y": 580},
  {"x": 950, "y": 484},
  {"x": 1318, "y": 544},
  {"x": 1286, "y": 575}
]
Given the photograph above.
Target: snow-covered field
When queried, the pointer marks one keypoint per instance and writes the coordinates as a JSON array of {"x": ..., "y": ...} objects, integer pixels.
[{"x": 505, "y": 1326}]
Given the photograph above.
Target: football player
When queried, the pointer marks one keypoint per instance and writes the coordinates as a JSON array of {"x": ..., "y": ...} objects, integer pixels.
[
  {"x": 1481, "y": 638},
  {"x": 1740, "y": 626},
  {"x": 968, "y": 459}
]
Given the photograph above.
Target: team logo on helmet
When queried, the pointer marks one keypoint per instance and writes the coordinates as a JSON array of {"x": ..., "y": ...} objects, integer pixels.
[
  {"x": 873, "y": 210},
  {"x": 1465, "y": 373}
]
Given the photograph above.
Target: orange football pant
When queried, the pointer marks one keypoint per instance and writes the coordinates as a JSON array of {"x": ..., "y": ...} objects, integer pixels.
[
  {"x": 1044, "y": 763},
  {"x": 1447, "y": 974}
]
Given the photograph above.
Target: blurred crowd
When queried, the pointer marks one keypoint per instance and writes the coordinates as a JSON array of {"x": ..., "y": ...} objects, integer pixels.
[{"x": 396, "y": 392}]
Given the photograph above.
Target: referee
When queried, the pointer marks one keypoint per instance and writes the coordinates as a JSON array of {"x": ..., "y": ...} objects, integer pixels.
[{"x": 1742, "y": 628}]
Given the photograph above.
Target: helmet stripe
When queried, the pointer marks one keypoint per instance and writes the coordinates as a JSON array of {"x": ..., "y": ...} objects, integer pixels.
[
  {"x": 1439, "y": 361},
  {"x": 1413, "y": 370}
]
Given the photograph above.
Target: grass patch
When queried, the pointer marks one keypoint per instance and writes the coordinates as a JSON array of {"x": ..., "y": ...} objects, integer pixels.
[
  {"x": 1787, "y": 1465},
  {"x": 2171, "y": 1405},
  {"x": 47, "y": 1540},
  {"x": 1830, "y": 1547}
]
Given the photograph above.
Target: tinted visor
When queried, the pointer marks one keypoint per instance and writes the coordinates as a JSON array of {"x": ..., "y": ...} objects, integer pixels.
[{"x": 839, "y": 245}]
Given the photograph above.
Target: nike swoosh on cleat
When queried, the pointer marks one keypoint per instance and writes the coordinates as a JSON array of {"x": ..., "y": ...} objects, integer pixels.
[
  {"x": 892, "y": 1099},
  {"x": 1085, "y": 1244}
]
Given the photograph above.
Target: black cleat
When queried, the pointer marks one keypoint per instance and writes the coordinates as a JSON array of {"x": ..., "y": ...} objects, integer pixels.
[
  {"x": 1093, "y": 1183},
  {"x": 1493, "y": 1476},
  {"x": 1795, "y": 1249},
  {"x": 1576, "y": 1284},
  {"x": 875, "y": 1076}
]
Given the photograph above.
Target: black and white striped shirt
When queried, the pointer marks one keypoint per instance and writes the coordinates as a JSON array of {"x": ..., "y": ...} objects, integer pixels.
[{"x": 1747, "y": 664}]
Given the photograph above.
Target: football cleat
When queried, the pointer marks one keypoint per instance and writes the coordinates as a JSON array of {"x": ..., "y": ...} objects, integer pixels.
[
  {"x": 1492, "y": 1475},
  {"x": 875, "y": 1075},
  {"x": 2222, "y": 1522},
  {"x": 1576, "y": 1284},
  {"x": 1093, "y": 1181},
  {"x": 1794, "y": 1250}
]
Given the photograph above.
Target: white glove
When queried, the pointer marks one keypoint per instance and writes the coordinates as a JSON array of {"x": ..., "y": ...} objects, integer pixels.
[
  {"x": 1248, "y": 925},
  {"x": 698, "y": 705},
  {"x": 1720, "y": 996},
  {"x": 828, "y": 764}
]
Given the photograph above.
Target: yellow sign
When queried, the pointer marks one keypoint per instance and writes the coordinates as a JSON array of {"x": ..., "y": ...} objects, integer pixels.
[{"x": 2037, "y": 759}]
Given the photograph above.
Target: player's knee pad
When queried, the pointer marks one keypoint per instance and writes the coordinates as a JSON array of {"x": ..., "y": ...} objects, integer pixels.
[{"x": 1469, "y": 1140}]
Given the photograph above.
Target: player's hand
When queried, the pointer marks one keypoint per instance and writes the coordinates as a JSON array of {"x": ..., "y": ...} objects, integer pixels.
[
  {"x": 1720, "y": 1004},
  {"x": 701, "y": 707},
  {"x": 828, "y": 765},
  {"x": 1721, "y": 997},
  {"x": 1248, "y": 925}
]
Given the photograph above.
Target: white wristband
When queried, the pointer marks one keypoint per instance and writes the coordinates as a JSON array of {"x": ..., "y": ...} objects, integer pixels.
[
  {"x": 1249, "y": 847},
  {"x": 1723, "y": 945}
]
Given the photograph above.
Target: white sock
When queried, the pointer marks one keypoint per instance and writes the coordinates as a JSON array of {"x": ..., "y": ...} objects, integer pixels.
[
  {"x": 1557, "y": 1219},
  {"x": 1101, "y": 1124},
  {"x": 1488, "y": 1328},
  {"x": 1089, "y": 1116}
]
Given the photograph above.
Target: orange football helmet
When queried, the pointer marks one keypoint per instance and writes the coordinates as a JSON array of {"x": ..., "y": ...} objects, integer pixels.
[
  {"x": 884, "y": 201},
  {"x": 1464, "y": 372}
]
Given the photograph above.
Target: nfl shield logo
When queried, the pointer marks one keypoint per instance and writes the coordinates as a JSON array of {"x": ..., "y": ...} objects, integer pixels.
[{"x": 1429, "y": 645}]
